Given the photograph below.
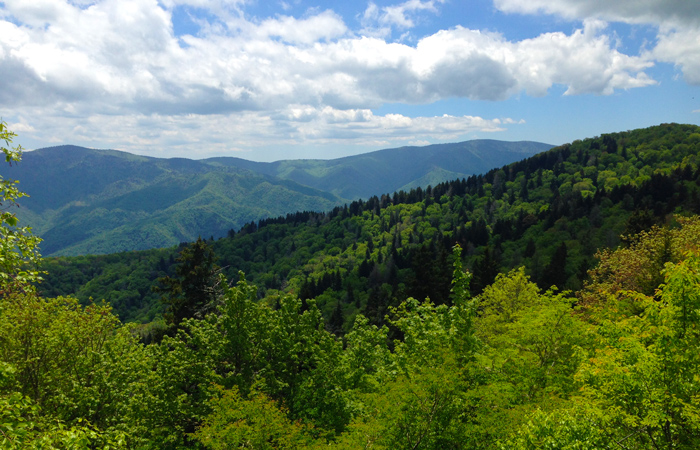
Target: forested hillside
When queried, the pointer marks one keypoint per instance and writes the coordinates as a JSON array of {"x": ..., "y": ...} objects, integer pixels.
[
  {"x": 374, "y": 173},
  {"x": 491, "y": 361},
  {"x": 549, "y": 213},
  {"x": 85, "y": 201}
]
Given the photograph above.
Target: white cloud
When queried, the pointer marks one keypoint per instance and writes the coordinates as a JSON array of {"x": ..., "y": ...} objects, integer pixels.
[
  {"x": 196, "y": 135},
  {"x": 678, "y": 22},
  {"x": 583, "y": 61},
  {"x": 321, "y": 27},
  {"x": 378, "y": 22},
  {"x": 400, "y": 15},
  {"x": 20, "y": 127},
  {"x": 629, "y": 11},
  {"x": 682, "y": 48},
  {"x": 329, "y": 125},
  {"x": 113, "y": 71},
  {"x": 131, "y": 59}
]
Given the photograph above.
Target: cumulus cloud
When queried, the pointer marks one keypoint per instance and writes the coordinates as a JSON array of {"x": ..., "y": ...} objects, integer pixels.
[
  {"x": 324, "y": 26},
  {"x": 681, "y": 48},
  {"x": 380, "y": 21},
  {"x": 329, "y": 125},
  {"x": 629, "y": 11},
  {"x": 295, "y": 126},
  {"x": 678, "y": 22},
  {"x": 73, "y": 67}
]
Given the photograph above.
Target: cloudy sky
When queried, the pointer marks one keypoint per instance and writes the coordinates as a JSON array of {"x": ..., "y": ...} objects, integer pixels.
[{"x": 269, "y": 80}]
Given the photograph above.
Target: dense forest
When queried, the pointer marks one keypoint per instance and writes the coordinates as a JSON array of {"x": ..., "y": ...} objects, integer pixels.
[
  {"x": 86, "y": 201},
  {"x": 549, "y": 213},
  {"x": 552, "y": 303}
]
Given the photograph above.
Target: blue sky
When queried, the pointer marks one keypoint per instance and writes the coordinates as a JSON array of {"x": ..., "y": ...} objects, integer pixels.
[{"x": 312, "y": 79}]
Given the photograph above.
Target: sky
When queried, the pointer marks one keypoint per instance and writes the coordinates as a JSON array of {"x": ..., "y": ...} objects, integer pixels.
[{"x": 271, "y": 80}]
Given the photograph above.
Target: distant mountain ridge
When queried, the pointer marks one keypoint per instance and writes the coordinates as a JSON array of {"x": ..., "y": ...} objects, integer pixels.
[
  {"x": 95, "y": 201},
  {"x": 86, "y": 201},
  {"x": 389, "y": 170}
]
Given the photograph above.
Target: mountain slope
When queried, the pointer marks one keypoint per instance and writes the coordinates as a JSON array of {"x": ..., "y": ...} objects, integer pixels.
[
  {"x": 101, "y": 201},
  {"x": 385, "y": 171},
  {"x": 92, "y": 201},
  {"x": 549, "y": 213}
]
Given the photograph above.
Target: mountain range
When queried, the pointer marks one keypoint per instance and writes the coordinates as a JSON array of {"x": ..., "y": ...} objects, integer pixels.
[
  {"x": 87, "y": 201},
  {"x": 552, "y": 214}
]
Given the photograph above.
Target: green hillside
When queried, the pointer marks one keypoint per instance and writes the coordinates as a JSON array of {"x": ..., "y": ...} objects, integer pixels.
[
  {"x": 550, "y": 213},
  {"x": 365, "y": 330},
  {"x": 85, "y": 201},
  {"x": 375, "y": 173}
]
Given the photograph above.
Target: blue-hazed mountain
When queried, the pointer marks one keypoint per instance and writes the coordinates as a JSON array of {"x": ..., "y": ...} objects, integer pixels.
[
  {"x": 95, "y": 201},
  {"x": 85, "y": 201},
  {"x": 386, "y": 171}
]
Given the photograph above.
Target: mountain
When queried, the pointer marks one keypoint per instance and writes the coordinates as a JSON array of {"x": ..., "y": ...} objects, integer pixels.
[
  {"x": 362, "y": 328},
  {"x": 390, "y": 170},
  {"x": 550, "y": 213},
  {"x": 85, "y": 201},
  {"x": 96, "y": 201}
]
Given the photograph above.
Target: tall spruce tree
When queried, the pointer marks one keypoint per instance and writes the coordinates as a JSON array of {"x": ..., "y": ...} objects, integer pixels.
[
  {"x": 555, "y": 273},
  {"x": 191, "y": 292}
]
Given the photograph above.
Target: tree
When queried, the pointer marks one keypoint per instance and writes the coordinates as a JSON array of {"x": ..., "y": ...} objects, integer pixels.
[
  {"x": 555, "y": 273},
  {"x": 486, "y": 267},
  {"x": 19, "y": 251},
  {"x": 335, "y": 324},
  {"x": 193, "y": 289},
  {"x": 69, "y": 366},
  {"x": 644, "y": 373},
  {"x": 256, "y": 422},
  {"x": 531, "y": 338}
]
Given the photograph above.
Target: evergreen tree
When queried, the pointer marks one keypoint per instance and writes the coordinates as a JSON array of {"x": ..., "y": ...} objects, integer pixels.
[
  {"x": 485, "y": 270},
  {"x": 555, "y": 273},
  {"x": 530, "y": 248},
  {"x": 335, "y": 323},
  {"x": 191, "y": 292}
]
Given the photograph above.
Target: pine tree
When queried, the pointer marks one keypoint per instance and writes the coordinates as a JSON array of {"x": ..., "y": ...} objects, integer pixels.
[
  {"x": 192, "y": 291},
  {"x": 555, "y": 273},
  {"x": 335, "y": 323}
]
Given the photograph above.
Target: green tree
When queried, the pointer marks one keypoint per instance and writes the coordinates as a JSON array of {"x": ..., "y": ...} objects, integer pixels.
[
  {"x": 19, "y": 249},
  {"x": 256, "y": 423},
  {"x": 562, "y": 429},
  {"x": 76, "y": 366},
  {"x": 193, "y": 290},
  {"x": 555, "y": 273},
  {"x": 532, "y": 346},
  {"x": 645, "y": 370}
]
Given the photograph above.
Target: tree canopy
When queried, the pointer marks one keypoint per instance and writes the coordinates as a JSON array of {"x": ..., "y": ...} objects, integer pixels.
[
  {"x": 19, "y": 251},
  {"x": 610, "y": 363}
]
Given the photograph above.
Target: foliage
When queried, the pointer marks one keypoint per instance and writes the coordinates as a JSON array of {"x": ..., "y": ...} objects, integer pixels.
[
  {"x": 256, "y": 422},
  {"x": 22, "y": 426},
  {"x": 192, "y": 292},
  {"x": 369, "y": 255},
  {"x": 19, "y": 251},
  {"x": 515, "y": 367},
  {"x": 562, "y": 429},
  {"x": 639, "y": 266},
  {"x": 644, "y": 372},
  {"x": 613, "y": 364},
  {"x": 70, "y": 362},
  {"x": 88, "y": 201}
]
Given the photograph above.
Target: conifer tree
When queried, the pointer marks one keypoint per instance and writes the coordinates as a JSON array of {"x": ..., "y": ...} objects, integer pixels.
[{"x": 192, "y": 291}]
